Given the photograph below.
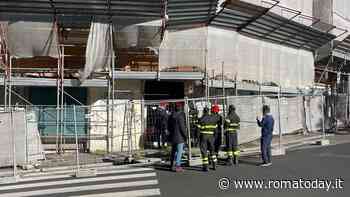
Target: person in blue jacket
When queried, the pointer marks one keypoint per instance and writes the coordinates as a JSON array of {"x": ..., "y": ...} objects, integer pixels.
[{"x": 267, "y": 124}]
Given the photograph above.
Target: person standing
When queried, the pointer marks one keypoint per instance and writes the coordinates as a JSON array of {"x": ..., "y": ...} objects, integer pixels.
[
  {"x": 232, "y": 126},
  {"x": 161, "y": 124},
  {"x": 193, "y": 117},
  {"x": 267, "y": 124},
  {"x": 207, "y": 125},
  {"x": 177, "y": 130},
  {"x": 218, "y": 133}
]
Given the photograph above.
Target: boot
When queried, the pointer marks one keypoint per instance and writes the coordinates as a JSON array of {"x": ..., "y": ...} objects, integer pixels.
[
  {"x": 230, "y": 161},
  {"x": 205, "y": 168},
  {"x": 214, "y": 165},
  {"x": 179, "y": 169},
  {"x": 236, "y": 160}
]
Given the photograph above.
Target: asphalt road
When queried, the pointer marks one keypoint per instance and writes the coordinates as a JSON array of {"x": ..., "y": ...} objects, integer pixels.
[{"x": 300, "y": 170}]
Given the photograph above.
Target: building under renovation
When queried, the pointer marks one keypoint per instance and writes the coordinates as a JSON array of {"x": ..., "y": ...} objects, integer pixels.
[{"x": 96, "y": 52}]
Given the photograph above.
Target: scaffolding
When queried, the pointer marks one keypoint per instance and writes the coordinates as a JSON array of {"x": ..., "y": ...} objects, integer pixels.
[{"x": 225, "y": 18}]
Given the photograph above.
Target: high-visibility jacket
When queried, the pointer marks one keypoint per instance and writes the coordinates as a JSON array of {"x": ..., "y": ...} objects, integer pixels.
[
  {"x": 232, "y": 122},
  {"x": 208, "y": 124}
]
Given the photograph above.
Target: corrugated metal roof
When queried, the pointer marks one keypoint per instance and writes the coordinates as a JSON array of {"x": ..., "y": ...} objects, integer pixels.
[
  {"x": 263, "y": 24},
  {"x": 344, "y": 46},
  {"x": 119, "y": 8},
  {"x": 189, "y": 13}
]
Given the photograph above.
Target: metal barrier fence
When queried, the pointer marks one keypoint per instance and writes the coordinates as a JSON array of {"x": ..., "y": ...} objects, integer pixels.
[{"x": 81, "y": 136}]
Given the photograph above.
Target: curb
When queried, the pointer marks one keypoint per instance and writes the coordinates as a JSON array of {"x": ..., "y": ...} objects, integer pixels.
[{"x": 148, "y": 162}]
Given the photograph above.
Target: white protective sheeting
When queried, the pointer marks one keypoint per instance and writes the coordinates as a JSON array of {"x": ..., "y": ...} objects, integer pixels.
[
  {"x": 28, "y": 145},
  {"x": 248, "y": 108},
  {"x": 341, "y": 16},
  {"x": 99, "y": 114},
  {"x": 99, "y": 49},
  {"x": 248, "y": 58},
  {"x": 313, "y": 108},
  {"x": 139, "y": 35},
  {"x": 183, "y": 48},
  {"x": 28, "y": 36}
]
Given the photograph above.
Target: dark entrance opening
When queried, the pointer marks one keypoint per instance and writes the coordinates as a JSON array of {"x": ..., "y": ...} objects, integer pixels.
[{"x": 163, "y": 90}]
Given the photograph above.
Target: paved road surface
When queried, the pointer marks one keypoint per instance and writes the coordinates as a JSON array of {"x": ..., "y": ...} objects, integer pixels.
[{"x": 327, "y": 163}]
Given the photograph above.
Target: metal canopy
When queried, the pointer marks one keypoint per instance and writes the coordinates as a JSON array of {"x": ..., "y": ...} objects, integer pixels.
[
  {"x": 116, "y": 8},
  {"x": 263, "y": 24},
  {"x": 344, "y": 46},
  {"x": 190, "y": 13}
]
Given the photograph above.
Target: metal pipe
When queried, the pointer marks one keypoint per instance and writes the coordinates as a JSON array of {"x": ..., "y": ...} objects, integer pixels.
[
  {"x": 108, "y": 118},
  {"x": 58, "y": 103},
  {"x": 207, "y": 89},
  {"x": 76, "y": 139},
  {"x": 14, "y": 144},
  {"x": 143, "y": 126},
  {"x": 26, "y": 134},
  {"x": 279, "y": 118},
  {"x": 6, "y": 88},
  {"x": 223, "y": 103},
  {"x": 113, "y": 88},
  {"x": 10, "y": 84},
  {"x": 188, "y": 130},
  {"x": 130, "y": 106},
  {"x": 236, "y": 90},
  {"x": 323, "y": 129},
  {"x": 62, "y": 98}
]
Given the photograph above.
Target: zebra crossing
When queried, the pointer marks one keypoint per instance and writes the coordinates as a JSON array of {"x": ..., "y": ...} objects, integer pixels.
[{"x": 118, "y": 182}]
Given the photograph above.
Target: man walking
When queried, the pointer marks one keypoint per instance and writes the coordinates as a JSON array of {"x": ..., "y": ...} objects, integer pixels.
[
  {"x": 267, "y": 124},
  {"x": 177, "y": 129},
  {"x": 232, "y": 125}
]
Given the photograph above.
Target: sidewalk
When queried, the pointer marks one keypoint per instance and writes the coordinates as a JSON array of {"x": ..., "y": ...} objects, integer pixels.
[{"x": 67, "y": 162}]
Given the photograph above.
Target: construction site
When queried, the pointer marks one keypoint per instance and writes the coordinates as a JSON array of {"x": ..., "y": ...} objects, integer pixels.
[{"x": 81, "y": 80}]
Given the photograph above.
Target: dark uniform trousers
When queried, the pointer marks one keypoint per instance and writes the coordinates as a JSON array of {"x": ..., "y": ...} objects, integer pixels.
[
  {"x": 194, "y": 129},
  {"x": 232, "y": 140},
  {"x": 207, "y": 144}
]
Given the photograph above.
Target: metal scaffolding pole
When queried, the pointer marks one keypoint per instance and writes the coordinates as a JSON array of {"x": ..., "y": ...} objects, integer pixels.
[
  {"x": 323, "y": 123},
  {"x": 108, "y": 116},
  {"x": 9, "y": 83},
  {"x": 223, "y": 103},
  {"x": 5, "y": 86},
  {"x": 279, "y": 118},
  {"x": 62, "y": 100},
  {"x": 58, "y": 103},
  {"x": 187, "y": 119},
  {"x": 207, "y": 89},
  {"x": 13, "y": 143},
  {"x": 76, "y": 140},
  {"x": 113, "y": 88}
]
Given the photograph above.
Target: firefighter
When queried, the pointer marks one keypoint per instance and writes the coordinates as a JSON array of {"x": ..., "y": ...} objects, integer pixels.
[
  {"x": 232, "y": 125},
  {"x": 193, "y": 115},
  {"x": 218, "y": 134},
  {"x": 207, "y": 126}
]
